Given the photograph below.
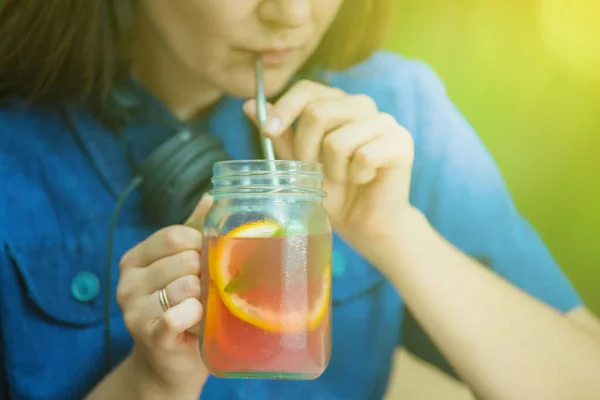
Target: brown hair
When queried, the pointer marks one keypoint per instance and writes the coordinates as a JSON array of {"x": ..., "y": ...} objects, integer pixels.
[{"x": 74, "y": 50}]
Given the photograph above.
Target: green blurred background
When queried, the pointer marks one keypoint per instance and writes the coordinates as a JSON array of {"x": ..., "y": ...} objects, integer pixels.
[{"x": 527, "y": 76}]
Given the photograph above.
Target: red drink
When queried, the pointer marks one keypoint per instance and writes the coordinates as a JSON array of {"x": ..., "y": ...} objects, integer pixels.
[{"x": 267, "y": 303}]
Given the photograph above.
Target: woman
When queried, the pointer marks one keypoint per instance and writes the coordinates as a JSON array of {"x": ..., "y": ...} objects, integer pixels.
[{"x": 431, "y": 218}]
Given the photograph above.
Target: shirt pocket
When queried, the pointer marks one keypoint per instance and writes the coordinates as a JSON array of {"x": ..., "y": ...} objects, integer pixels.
[
  {"x": 66, "y": 279},
  {"x": 53, "y": 312}
]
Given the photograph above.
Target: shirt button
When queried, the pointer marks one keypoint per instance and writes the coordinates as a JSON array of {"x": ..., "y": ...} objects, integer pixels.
[
  {"x": 338, "y": 267},
  {"x": 85, "y": 287}
]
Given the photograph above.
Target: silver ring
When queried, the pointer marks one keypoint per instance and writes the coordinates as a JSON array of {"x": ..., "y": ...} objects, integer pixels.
[{"x": 164, "y": 300}]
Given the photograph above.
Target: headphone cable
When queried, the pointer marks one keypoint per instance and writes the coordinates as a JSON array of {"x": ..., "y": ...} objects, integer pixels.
[{"x": 134, "y": 184}]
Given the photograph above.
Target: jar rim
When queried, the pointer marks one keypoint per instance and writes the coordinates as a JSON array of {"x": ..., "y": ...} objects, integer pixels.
[
  {"x": 227, "y": 167},
  {"x": 281, "y": 177}
]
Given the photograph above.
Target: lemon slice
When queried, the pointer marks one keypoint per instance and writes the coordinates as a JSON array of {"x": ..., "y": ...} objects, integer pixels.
[
  {"x": 277, "y": 299},
  {"x": 257, "y": 229}
]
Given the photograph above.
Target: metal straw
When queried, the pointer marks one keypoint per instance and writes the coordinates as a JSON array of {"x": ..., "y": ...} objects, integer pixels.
[{"x": 261, "y": 111}]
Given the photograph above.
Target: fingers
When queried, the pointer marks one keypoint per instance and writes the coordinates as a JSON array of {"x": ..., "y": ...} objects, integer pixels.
[
  {"x": 291, "y": 105},
  {"x": 144, "y": 316},
  {"x": 320, "y": 117},
  {"x": 356, "y": 152},
  {"x": 161, "y": 272},
  {"x": 283, "y": 143},
  {"x": 196, "y": 218},
  {"x": 388, "y": 151},
  {"x": 182, "y": 288},
  {"x": 176, "y": 320},
  {"x": 177, "y": 291},
  {"x": 165, "y": 242},
  {"x": 282, "y": 114},
  {"x": 339, "y": 146},
  {"x": 319, "y": 110},
  {"x": 169, "y": 240},
  {"x": 346, "y": 133},
  {"x": 170, "y": 260}
]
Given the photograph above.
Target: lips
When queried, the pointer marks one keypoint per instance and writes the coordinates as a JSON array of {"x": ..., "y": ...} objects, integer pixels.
[{"x": 275, "y": 57}]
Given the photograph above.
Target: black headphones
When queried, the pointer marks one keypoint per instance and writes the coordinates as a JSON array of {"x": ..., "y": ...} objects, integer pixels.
[
  {"x": 176, "y": 174},
  {"x": 172, "y": 179}
]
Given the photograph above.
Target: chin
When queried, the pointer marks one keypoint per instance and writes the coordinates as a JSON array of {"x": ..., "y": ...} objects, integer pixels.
[{"x": 275, "y": 88}]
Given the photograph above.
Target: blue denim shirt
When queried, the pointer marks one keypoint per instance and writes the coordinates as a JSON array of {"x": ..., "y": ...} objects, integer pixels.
[{"x": 60, "y": 182}]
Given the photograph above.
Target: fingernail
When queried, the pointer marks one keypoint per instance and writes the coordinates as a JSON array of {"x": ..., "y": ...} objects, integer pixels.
[
  {"x": 250, "y": 107},
  {"x": 272, "y": 125}
]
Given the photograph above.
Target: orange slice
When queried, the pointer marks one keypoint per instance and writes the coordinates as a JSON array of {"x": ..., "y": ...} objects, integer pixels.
[{"x": 283, "y": 296}]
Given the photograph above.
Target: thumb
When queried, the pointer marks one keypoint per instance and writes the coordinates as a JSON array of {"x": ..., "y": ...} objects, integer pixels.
[
  {"x": 283, "y": 143},
  {"x": 196, "y": 218}
]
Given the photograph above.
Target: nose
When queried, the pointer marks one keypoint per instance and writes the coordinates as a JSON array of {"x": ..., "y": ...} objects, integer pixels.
[{"x": 288, "y": 13}]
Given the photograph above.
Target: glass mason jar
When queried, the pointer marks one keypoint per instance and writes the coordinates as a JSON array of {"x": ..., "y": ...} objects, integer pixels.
[{"x": 266, "y": 272}]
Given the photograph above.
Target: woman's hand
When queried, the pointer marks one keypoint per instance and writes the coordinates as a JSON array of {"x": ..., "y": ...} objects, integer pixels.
[
  {"x": 166, "y": 341},
  {"x": 366, "y": 154}
]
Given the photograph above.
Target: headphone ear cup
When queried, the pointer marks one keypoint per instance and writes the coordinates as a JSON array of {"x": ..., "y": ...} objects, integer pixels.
[
  {"x": 192, "y": 180},
  {"x": 155, "y": 166},
  {"x": 177, "y": 174}
]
